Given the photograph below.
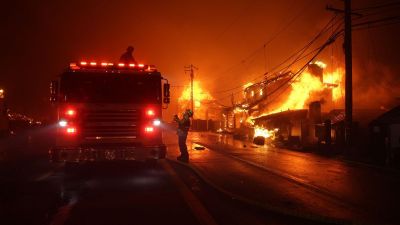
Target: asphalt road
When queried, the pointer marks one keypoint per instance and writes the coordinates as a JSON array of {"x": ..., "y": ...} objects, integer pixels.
[
  {"x": 34, "y": 191},
  {"x": 228, "y": 182},
  {"x": 343, "y": 189}
]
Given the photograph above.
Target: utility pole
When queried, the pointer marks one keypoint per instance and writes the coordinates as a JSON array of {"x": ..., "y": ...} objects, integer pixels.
[
  {"x": 348, "y": 73},
  {"x": 233, "y": 111},
  {"x": 190, "y": 69},
  {"x": 348, "y": 69}
]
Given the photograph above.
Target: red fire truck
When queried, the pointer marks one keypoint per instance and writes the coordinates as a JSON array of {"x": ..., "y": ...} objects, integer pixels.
[{"x": 108, "y": 111}]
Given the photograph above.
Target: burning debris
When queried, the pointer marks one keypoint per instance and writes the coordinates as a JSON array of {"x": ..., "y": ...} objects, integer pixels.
[{"x": 263, "y": 132}]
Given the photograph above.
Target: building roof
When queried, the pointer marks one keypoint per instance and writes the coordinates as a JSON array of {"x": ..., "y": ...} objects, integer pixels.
[{"x": 389, "y": 117}]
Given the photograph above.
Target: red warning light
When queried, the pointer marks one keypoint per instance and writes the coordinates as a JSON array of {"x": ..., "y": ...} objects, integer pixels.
[
  {"x": 83, "y": 63},
  {"x": 70, "y": 112},
  {"x": 149, "y": 129},
  {"x": 141, "y": 65},
  {"x": 121, "y": 64},
  {"x": 131, "y": 65},
  {"x": 71, "y": 130},
  {"x": 104, "y": 64},
  {"x": 150, "y": 113},
  {"x": 93, "y": 63}
]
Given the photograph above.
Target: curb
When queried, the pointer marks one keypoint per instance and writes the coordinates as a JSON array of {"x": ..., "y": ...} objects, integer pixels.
[
  {"x": 342, "y": 158},
  {"x": 265, "y": 206},
  {"x": 370, "y": 166}
]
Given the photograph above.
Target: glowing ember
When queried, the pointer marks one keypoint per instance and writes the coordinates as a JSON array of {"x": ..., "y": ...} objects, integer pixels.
[{"x": 200, "y": 96}]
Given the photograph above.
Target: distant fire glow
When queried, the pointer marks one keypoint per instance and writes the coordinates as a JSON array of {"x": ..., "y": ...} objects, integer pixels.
[{"x": 200, "y": 97}]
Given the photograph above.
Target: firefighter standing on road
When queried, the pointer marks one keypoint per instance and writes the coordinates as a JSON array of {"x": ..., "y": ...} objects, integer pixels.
[
  {"x": 183, "y": 129},
  {"x": 127, "y": 57}
]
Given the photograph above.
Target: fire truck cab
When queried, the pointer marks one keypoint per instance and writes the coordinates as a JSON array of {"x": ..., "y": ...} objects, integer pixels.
[{"x": 108, "y": 111}]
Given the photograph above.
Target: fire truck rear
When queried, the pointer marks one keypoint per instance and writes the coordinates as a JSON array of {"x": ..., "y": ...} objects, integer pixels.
[{"x": 109, "y": 111}]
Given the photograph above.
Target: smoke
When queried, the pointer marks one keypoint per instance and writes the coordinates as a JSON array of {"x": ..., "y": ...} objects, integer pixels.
[{"x": 375, "y": 86}]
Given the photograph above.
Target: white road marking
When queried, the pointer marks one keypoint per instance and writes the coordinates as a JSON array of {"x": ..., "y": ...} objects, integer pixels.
[{"x": 199, "y": 211}]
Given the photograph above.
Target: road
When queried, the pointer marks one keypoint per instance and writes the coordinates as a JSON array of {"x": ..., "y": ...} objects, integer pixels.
[{"x": 225, "y": 183}]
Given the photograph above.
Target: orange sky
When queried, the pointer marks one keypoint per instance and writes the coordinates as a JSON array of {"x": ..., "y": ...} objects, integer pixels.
[{"x": 40, "y": 38}]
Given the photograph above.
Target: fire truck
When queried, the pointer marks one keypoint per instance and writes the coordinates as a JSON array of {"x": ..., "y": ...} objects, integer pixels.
[{"x": 108, "y": 111}]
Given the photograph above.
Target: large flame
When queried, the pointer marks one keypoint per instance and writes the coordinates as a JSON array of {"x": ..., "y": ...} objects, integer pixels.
[
  {"x": 200, "y": 96},
  {"x": 335, "y": 78},
  {"x": 308, "y": 88},
  {"x": 305, "y": 89}
]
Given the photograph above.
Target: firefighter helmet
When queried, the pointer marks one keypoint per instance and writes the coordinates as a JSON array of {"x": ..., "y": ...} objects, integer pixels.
[{"x": 189, "y": 112}]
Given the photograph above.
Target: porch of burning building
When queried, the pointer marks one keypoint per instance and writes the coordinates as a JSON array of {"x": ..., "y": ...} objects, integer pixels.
[{"x": 297, "y": 129}]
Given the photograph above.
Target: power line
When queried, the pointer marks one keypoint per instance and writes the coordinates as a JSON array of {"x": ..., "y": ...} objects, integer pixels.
[
  {"x": 270, "y": 39},
  {"x": 297, "y": 53},
  {"x": 390, "y": 4},
  {"x": 376, "y": 26},
  {"x": 373, "y": 22},
  {"x": 330, "y": 40}
]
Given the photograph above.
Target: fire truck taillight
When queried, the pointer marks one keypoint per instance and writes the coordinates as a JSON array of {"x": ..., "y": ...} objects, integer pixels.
[
  {"x": 70, "y": 112},
  {"x": 121, "y": 64},
  {"x": 141, "y": 65},
  {"x": 131, "y": 65},
  {"x": 71, "y": 130},
  {"x": 83, "y": 63},
  {"x": 93, "y": 64},
  {"x": 149, "y": 129},
  {"x": 150, "y": 113}
]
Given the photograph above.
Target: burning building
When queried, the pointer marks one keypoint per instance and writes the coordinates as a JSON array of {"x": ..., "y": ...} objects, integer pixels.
[
  {"x": 201, "y": 98},
  {"x": 207, "y": 114},
  {"x": 289, "y": 107}
]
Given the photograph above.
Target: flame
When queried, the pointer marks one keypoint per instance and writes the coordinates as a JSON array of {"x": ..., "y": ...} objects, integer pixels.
[
  {"x": 262, "y": 132},
  {"x": 301, "y": 91},
  {"x": 320, "y": 64},
  {"x": 247, "y": 85},
  {"x": 200, "y": 97},
  {"x": 336, "y": 78},
  {"x": 308, "y": 88}
]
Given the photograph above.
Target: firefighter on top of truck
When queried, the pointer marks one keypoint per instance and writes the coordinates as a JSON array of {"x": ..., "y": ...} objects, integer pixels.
[
  {"x": 127, "y": 57},
  {"x": 182, "y": 132}
]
